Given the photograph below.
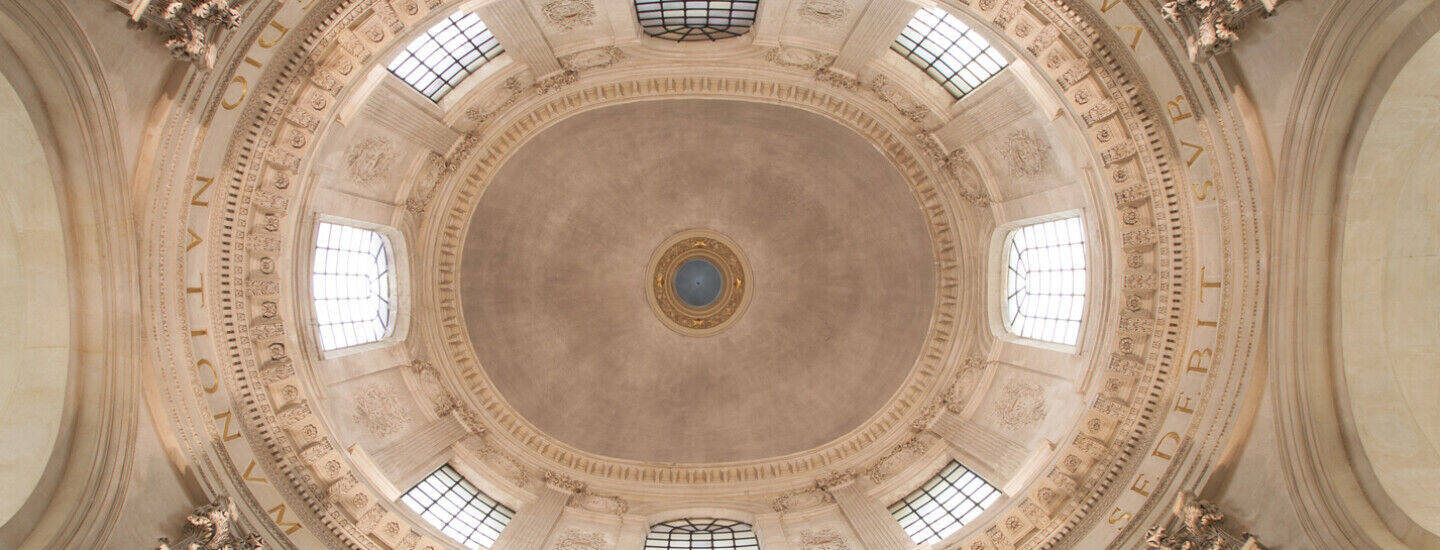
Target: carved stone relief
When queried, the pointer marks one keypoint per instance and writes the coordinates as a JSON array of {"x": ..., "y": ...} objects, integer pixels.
[
  {"x": 1211, "y": 26},
  {"x": 369, "y": 159},
  {"x": 378, "y": 409},
  {"x": 598, "y": 58},
  {"x": 1027, "y": 153},
  {"x": 189, "y": 25},
  {"x": 431, "y": 386},
  {"x": 896, "y": 96},
  {"x": 824, "y": 13},
  {"x": 1021, "y": 405},
  {"x": 823, "y": 539},
  {"x": 211, "y": 527},
  {"x": 1202, "y": 527},
  {"x": 895, "y": 459},
  {"x": 801, "y": 498},
  {"x": 958, "y": 395},
  {"x": 799, "y": 58},
  {"x": 574, "y": 539},
  {"x": 569, "y": 14}
]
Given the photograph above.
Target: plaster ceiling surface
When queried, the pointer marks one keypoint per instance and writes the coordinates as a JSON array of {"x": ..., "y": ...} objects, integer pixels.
[{"x": 554, "y": 274}]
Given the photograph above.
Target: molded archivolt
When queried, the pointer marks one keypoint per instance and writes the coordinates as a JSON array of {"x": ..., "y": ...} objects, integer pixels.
[
  {"x": 1356, "y": 220},
  {"x": 72, "y": 212},
  {"x": 258, "y": 407}
]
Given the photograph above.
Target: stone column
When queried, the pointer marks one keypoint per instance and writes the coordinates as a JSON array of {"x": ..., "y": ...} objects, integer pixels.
[
  {"x": 533, "y": 523},
  {"x": 407, "y": 460},
  {"x": 874, "y": 31},
  {"x": 870, "y": 521}
]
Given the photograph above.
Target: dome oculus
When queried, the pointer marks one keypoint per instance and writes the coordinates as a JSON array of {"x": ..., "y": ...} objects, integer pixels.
[{"x": 698, "y": 282}]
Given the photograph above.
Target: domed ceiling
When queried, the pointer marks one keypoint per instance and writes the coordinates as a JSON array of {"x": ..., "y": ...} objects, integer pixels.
[{"x": 557, "y": 264}]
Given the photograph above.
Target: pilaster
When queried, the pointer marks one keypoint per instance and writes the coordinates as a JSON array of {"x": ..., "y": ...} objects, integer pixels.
[
  {"x": 988, "y": 453},
  {"x": 393, "y": 110},
  {"x": 533, "y": 523},
  {"x": 407, "y": 460},
  {"x": 870, "y": 521},
  {"x": 770, "y": 532},
  {"x": 874, "y": 31},
  {"x": 520, "y": 35}
]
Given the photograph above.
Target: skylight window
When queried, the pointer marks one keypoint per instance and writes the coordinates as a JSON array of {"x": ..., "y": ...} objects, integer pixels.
[
  {"x": 949, "y": 51},
  {"x": 1045, "y": 280},
  {"x": 940, "y": 507},
  {"x": 689, "y": 20},
  {"x": 458, "y": 509},
  {"x": 451, "y": 50},
  {"x": 719, "y": 534},
  {"x": 351, "y": 286}
]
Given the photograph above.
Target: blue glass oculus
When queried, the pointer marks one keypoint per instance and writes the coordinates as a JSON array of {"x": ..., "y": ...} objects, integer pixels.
[{"x": 698, "y": 282}]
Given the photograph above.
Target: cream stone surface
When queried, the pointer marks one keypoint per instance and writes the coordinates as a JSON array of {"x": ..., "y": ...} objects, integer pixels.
[
  {"x": 555, "y": 270},
  {"x": 34, "y": 308},
  {"x": 1256, "y": 180},
  {"x": 1390, "y": 314}
]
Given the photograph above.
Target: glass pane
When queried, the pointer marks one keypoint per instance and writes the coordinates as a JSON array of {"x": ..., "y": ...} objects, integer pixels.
[
  {"x": 457, "y": 508},
  {"x": 695, "y": 19},
  {"x": 948, "y": 50},
  {"x": 350, "y": 285},
  {"x": 941, "y": 504},
  {"x": 448, "y": 52},
  {"x": 687, "y": 533},
  {"x": 1045, "y": 281}
]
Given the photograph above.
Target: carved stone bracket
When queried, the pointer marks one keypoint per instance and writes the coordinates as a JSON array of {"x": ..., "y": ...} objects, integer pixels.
[
  {"x": 1212, "y": 26},
  {"x": 211, "y": 527},
  {"x": 187, "y": 25},
  {"x": 1201, "y": 528}
]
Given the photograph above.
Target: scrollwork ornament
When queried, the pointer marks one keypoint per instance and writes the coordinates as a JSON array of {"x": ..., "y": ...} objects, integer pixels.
[
  {"x": 823, "y": 539},
  {"x": 574, "y": 539},
  {"x": 1212, "y": 25},
  {"x": 1020, "y": 405},
  {"x": 211, "y": 527},
  {"x": 824, "y": 13},
  {"x": 569, "y": 14},
  {"x": 1201, "y": 528},
  {"x": 189, "y": 25}
]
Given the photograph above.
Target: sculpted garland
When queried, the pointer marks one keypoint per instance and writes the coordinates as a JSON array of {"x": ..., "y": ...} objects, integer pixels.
[{"x": 316, "y": 77}]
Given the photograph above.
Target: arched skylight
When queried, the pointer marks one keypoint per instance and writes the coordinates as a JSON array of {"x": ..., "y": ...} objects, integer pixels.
[
  {"x": 351, "y": 286},
  {"x": 687, "y": 20},
  {"x": 1045, "y": 280},
  {"x": 701, "y": 533},
  {"x": 458, "y": 509},
  {"x": 437, "y": 61},
  {"x": 940, "y": 507},
  {"x": 949, "y": 51}
]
